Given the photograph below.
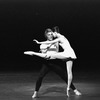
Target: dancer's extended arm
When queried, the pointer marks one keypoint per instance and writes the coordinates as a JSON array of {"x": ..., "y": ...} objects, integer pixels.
[{"x": 47, "y": 42}]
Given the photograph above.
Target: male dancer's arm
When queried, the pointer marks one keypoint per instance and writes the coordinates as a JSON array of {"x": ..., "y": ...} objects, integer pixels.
[{"x": 57, "y": 46}]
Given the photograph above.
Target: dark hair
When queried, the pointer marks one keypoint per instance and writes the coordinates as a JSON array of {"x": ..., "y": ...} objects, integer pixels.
[
  {"x": 46, "y": 31},
  {"x": 56, "y": 29}
]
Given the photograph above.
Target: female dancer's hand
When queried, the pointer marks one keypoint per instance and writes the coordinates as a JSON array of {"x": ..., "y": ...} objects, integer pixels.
[
  {"x": 36, "y": 41},
  {"x": 47, "y": 57}
]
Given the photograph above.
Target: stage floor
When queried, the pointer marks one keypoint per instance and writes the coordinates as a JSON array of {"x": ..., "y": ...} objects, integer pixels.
[{"x": 20, "y": 86}]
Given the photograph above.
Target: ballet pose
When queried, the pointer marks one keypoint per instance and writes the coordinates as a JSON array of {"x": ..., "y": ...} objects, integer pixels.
[{"x": 61, "y": 55}]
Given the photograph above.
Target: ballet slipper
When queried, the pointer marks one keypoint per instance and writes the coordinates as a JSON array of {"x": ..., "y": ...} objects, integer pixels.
[
  {"x": 77, "y": 92},
  {"x": 35, "y": 95},
  {"x": 68, "y": 89},
  {"x": 29, "y": 53}
]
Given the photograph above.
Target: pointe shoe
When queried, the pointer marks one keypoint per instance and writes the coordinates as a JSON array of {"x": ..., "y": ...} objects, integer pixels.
[
  {"x": 68, "y": 92},
  {"x": 77, "y": 92},
  {"x": 35, "y": 95},
  {"x": 29, "y": 53}
]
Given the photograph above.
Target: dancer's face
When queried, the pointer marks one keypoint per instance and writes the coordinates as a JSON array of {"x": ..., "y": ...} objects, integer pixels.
[
  {"x": 49, "y": 36},
  {"x": 54, "y": 34}
]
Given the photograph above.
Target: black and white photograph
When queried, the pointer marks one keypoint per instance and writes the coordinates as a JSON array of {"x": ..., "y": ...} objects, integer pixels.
[{"x": 49, "y": 49}]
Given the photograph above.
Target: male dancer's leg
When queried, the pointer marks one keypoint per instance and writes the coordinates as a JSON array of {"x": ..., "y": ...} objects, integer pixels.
[
  {"x": 44, "y": 70},
  {"x": 42, "y": 74}
]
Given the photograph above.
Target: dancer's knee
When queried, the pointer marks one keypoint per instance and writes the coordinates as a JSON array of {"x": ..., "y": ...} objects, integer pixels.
[{"x": 70, "y": 77}]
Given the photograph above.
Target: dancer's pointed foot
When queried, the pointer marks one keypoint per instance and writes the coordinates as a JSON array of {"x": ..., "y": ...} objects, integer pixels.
[
  {"x": 35, "y": 95},
  {"x": 68, "y": 90},
  {"x": 77, "y": 92},
  {"x": 29, "y": 53}
]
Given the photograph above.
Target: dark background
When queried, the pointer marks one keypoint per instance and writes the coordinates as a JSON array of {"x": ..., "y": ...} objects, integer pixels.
[{"x": 23, "y": 20}]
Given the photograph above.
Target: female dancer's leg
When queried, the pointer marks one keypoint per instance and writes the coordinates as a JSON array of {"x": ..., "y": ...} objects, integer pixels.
[
  {"x": 69, "y": 65},
  {"x": 70, "y": 76},
  {"x": 60, "y": 55},
  {"x": 35, "y": 53},
  {"x": 63, "y": 74},
  {"x": 60, "y": 71}
]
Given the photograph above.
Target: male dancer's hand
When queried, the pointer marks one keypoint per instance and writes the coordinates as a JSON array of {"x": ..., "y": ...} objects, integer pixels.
[
  {"x": 36, "y": 41},
  {"x": 48, "y": 57}
]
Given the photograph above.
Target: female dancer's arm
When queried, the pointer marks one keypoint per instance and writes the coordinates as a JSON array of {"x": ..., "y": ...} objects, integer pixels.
[{"x": 57, "y": 46}]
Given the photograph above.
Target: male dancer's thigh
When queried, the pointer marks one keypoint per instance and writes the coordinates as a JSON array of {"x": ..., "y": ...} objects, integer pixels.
[
  {"x": 56, "y": 67},
  {"x": 44, "y": 70}
]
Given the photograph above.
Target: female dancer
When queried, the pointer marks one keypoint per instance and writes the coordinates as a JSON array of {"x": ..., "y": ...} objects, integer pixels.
[{"x": 68, "y": 55}]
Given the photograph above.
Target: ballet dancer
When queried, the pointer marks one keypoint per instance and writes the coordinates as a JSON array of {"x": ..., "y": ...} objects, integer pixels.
[{"x": 50, "y": 56}]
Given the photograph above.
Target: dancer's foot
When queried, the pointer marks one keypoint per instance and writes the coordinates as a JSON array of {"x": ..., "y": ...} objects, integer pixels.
[
  {"x": 68, "y": 92},
  {"x": 35, "y": 95},
  {"x": 77, "y": 92},
  {"x": 29, "y": 53}
]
